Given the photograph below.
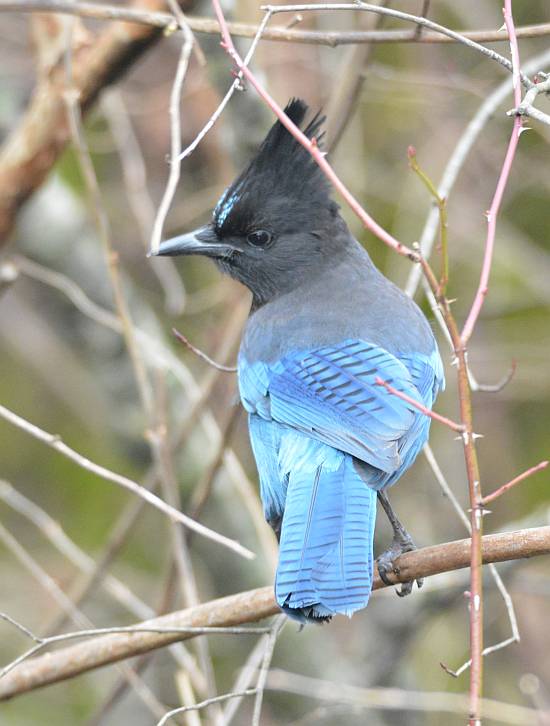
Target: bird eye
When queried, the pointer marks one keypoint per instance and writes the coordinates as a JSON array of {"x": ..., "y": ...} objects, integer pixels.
[{"x": 259, "y": 238}]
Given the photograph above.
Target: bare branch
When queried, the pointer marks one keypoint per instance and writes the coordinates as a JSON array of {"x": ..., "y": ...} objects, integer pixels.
[
  {"x": 397, "y": 699},
  {"x": 56, "y": 443},
  {"x": 204, "y": 704},
  {"x": 251, "y": 606},
  {"x": 165, "y": 21}
]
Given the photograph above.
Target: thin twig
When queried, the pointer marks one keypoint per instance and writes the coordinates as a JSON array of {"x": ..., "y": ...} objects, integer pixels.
[
  {"x": 56, "y": 443},
  {"x": 236, "y": 85},
  {"x": 419, "y": 407},
  {"x": 134, "y": 174},
  {"x": 198, "y": 352},
  {"x": 101, "y": 221},
  {"x": 204, "y": 704},
  {"x": 505, "y": 487},
  {"x": 264, "y": 670},
  {"x": 175, "y": 138},
  {"x": 53, "y": 531}
]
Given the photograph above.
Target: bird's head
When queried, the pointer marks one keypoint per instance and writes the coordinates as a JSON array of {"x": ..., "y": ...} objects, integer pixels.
[{"x": 276, "y": 224}]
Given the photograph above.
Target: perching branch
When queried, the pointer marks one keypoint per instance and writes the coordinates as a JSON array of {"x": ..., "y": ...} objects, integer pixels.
[{"x": 251, "y": 606}]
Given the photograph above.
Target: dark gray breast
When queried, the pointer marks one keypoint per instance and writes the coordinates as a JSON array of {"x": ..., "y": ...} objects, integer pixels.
[{"x": 350, "y": 299}]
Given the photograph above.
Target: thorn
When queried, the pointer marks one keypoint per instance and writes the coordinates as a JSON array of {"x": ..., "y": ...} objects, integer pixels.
[
  {"x": 502, "y": 27},
  {"x": 524, "y": 128},
  {"x": 478, "y": 436}
]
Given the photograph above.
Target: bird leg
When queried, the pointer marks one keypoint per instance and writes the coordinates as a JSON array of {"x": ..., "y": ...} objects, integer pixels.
[{"x": 402, "y": 542}]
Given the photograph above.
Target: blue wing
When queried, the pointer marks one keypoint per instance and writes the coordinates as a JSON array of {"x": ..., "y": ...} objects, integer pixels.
[{"x": 331, "y": 395}]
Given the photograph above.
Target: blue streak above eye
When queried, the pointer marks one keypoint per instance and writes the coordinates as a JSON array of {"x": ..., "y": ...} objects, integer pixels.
[{"x": 224, "y": 206}]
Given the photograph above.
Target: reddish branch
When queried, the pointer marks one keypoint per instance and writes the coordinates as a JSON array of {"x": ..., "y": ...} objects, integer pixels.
[
  {"x": 504, "y": 488},
  {"x": 423, "y": 409},
  {"x": 248, "y": 607},
  {"x": 492, "y": 213}
]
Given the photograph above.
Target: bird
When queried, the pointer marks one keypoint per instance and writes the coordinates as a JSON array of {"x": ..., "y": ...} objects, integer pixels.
[{"x": 325, "y": 328}]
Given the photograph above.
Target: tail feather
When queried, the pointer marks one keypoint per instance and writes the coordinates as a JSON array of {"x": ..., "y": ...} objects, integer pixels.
[{"x": 326, "y": 546}]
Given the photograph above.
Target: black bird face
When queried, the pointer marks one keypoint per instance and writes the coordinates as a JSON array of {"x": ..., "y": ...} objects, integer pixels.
[{"x": 276, "y": 225}]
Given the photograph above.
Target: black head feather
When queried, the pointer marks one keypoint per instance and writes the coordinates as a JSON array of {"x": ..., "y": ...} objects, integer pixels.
[{"x": 281, "y": 183}]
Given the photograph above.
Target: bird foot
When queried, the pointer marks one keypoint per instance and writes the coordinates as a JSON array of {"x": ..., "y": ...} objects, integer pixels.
[{"x": 402, "y": 542}]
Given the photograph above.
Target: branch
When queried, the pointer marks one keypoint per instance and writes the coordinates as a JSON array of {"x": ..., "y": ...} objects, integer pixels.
[
  {"x": 397, "y": 699},
  {"x": 526, "y": 107},
  {"x": 418, "y": 20},
  {"x": 56, "y": 443},
  {"x": 246, "y": 607},
  {"x": 492, "y": 213},
  {"x": 165, "y": 21},
  {"x": 34, "y": 146},
  {"x": 419, "y": 407},
  {"x": 309, "y": 144}
]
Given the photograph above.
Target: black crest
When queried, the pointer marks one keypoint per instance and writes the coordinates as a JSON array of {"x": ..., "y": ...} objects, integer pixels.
[{"x": 282, "y": 178}]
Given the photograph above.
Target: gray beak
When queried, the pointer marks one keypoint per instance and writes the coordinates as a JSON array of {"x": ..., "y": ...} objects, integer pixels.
[{"x": 203, "y": 241}]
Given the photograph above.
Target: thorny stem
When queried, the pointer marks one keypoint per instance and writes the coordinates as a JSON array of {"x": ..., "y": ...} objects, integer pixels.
[{"x": 475, "y": 498}]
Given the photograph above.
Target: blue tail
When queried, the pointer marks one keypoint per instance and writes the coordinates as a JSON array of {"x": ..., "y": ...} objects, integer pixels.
[{"x": 326, "y": 546}]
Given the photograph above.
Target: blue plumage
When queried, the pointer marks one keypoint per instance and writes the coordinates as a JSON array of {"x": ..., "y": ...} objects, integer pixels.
[
  {"x": 324, "y": 325},
  {"x": 311, "y": 413}
]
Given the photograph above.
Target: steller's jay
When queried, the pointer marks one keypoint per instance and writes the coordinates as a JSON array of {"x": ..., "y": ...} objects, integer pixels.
[{"x": 324, "y": 325}]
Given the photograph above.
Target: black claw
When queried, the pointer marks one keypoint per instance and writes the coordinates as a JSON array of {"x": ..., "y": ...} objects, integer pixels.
[
  {"x": 406, "y": 589},
  {"x": 382, "y": 571}
]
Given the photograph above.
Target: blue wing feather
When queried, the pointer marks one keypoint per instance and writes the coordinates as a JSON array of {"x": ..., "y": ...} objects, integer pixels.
[{"x": 331, "y": 394}]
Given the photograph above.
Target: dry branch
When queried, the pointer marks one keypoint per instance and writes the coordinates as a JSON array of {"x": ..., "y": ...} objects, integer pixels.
[
  {"x": 30, "y": 152},
  {"x": 247, "y": 607},
  {"x": 333, "y": 39}
]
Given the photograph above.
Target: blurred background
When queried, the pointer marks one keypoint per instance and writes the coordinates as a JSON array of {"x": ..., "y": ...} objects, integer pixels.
[{"x": 65, "y": 367}]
